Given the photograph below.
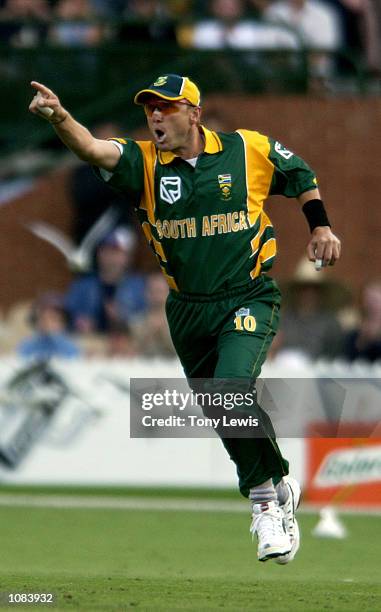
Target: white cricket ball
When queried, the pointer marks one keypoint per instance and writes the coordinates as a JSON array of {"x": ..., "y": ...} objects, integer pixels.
[{"x": 46, "y": 110}]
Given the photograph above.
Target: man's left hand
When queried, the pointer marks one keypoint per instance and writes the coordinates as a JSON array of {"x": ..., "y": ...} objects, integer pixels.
[{"x": 324, "y": 246}]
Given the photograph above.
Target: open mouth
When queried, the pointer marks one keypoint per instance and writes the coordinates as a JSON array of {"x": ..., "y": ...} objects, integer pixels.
[{"x": 160, "y": 135}]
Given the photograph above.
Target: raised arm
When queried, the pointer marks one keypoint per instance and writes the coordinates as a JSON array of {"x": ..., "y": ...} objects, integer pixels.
[{"x": 76, "y": 137}]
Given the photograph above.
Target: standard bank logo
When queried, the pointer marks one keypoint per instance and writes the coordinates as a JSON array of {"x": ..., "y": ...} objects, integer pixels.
[
  {"x": 279, "y": 148},
  {"x": 170, "y": 189}
]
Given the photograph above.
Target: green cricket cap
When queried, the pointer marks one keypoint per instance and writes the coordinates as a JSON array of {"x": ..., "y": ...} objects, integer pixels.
[{"x": 171, "y": 87}]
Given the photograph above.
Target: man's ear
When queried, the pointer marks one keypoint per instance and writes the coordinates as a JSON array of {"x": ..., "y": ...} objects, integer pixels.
[{"x": 195, "y": 115}]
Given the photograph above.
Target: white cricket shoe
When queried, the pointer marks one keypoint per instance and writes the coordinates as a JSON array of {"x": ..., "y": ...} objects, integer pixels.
[
  {"x": 289, "y": 508},
  {"x": 268, "y": 523}
]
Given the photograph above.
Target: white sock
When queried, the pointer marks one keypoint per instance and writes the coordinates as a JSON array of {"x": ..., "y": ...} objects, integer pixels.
[{"x": 282, "y": 492}]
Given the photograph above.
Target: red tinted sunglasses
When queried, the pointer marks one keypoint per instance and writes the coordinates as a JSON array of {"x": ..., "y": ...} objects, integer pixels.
[{"x": 165, "y": 107}]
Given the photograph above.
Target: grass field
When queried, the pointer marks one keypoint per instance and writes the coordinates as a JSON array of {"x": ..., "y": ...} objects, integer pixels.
[{"x": 151, "y": 559}]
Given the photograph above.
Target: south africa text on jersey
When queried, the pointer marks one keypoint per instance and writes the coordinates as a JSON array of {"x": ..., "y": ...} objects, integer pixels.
[{"x": 223, "y": 223}]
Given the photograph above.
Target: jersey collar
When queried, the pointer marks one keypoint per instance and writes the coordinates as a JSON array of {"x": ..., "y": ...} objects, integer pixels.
[{"x": 213, "y": 145}]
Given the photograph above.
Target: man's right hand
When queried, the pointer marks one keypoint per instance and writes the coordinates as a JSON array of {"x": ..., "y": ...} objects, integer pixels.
[
  {"x": 102, "y": 153},
  {"x": 46, "y": 98}
]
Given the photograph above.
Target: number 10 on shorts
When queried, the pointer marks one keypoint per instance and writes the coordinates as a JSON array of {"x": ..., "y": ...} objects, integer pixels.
[{"x": 245, "y": 323}]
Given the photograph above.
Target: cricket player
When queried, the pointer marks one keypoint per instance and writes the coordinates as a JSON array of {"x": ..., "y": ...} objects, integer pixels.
[{"x": 200, "y": 196}]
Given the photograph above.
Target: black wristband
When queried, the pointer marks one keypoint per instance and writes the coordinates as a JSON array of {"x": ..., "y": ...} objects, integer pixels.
[
  {"x": 60, "y": 121},
  {"x": 315, "y": 214}
]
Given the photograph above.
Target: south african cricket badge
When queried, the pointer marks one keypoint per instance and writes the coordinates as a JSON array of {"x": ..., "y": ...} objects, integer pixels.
[
  {"x": 160, "y": 81},
  {"x": 225, "y": 183}
]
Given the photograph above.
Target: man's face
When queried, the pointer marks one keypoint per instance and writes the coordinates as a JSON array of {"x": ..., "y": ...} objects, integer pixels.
[
  {"x": 50, "y": 320},
  {"x": 112, "y": 260},
  {"x": 170, "y": 123},
  {"x": 227, "y": 10}
]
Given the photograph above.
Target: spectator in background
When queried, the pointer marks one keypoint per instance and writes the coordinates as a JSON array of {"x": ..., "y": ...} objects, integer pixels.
[
  {"x": 112, "y": 293},
  {"x": 319, "y": 28},
  {"x": 147, "y": 20},
  {"x": 14, "y": 27},
  {"x": 309, "y": 327},
  {"x": 74, "y": 27},
  {"x": 151, "y": 329},
  {"x": 92, "y": 197},
  {"x": 49, "y": 318},
  {"x": 229, "y": 27},
  {"x": 364, "y": 342},
  {"x": 144, "y": 9},
  {"x": 179, "y": 8},
  {"x": 376, "y": 9},
  {"x": 225, "y": 27},
  {"x": 108, "y": 8},
  {"x": 258, "y": 7},
  {"x": 121, "y": 342},
  {"x": 361, "y": 30}
]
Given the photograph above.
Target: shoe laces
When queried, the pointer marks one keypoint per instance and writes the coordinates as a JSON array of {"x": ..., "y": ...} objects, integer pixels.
[{"x": 268, "y": 523}]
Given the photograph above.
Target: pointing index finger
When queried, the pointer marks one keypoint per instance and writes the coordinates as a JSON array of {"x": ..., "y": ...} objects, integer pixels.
[{"x": 41, "y": 88}]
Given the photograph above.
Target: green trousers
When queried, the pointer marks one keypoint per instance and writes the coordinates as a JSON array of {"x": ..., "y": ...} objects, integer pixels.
[{"x": 226, "y": 336}]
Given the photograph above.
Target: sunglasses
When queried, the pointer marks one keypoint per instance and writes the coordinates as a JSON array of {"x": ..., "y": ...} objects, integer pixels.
[{"x": 164, "y": 107}]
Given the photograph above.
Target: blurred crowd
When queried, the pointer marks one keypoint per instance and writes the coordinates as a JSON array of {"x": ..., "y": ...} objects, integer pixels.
[
  {"x": 116, "y": 311},
  {"x": 322, "y": 320},
  {"x": 112, "y": 310},
  {"x": 321, "y": 26}
]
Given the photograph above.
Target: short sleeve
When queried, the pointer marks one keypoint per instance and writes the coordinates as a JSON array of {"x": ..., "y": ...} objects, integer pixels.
[
  {"x": 128, "y": 175},
  {"x": 292, "y": 176}
]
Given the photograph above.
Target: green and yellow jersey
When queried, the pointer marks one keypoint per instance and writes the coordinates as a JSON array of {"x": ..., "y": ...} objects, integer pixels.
[{"x": 206, "y": 223}]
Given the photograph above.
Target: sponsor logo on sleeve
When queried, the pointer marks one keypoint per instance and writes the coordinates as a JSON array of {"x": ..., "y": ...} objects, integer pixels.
[{"x": 281, "y": 150}]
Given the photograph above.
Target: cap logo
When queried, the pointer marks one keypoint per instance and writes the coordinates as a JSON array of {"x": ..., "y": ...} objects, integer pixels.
[{"x": 160, "y": 81}]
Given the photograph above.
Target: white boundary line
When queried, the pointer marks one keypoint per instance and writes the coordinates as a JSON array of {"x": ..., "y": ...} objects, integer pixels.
[
  {"x": 121, "y": 503},
  {"x": 149, "y": 503}
]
